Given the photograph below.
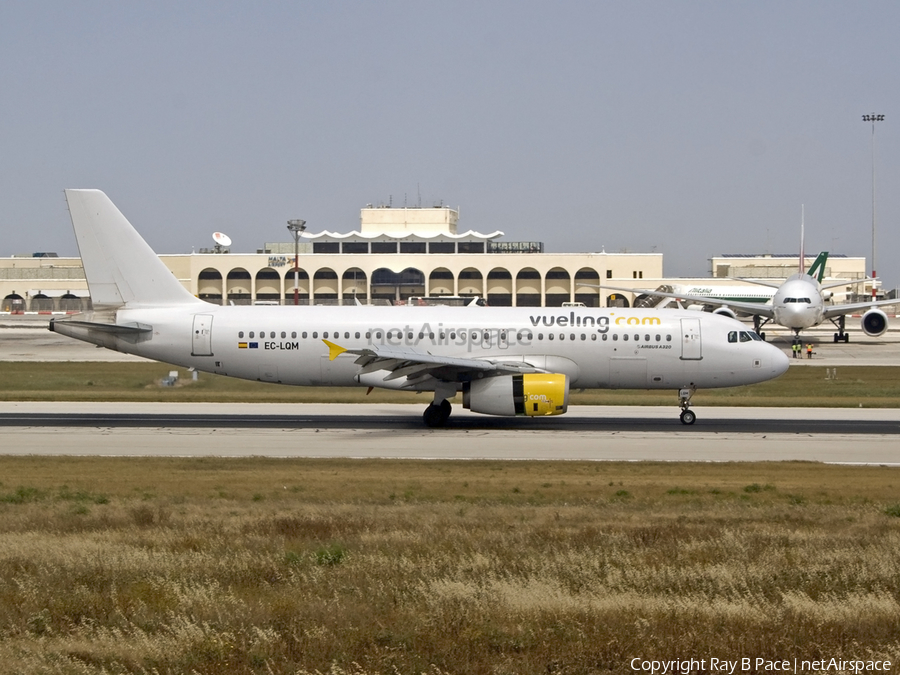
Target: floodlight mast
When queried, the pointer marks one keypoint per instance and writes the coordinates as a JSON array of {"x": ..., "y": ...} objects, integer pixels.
[
  {"x": 873, "y": 118},
  {"x": 296, "y": 227}
]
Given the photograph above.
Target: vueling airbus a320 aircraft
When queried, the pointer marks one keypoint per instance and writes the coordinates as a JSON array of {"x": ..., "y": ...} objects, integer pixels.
[{"x": 506, "y": 361}]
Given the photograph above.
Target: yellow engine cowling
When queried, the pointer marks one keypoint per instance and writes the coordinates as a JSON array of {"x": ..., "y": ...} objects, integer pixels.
[{"x": 532, "y": 394}]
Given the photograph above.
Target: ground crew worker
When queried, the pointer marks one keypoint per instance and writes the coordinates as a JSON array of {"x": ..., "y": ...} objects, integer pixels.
[
  {"x": 796, "y": 349},
  {"x": 809, "y": 350}
]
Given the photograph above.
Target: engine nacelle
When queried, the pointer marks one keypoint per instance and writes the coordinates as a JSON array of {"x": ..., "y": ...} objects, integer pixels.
[
  {"x": 530, "y": 394},
  {"x": 874, "y": 322},
  {"x": 725, "y": 311}
]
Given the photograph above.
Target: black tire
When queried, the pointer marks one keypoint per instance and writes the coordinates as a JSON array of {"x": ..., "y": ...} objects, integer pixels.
[
  {"x": 688, "y": 417},
  {"x": 762, "y": 336},
  {"x": 445, "y": 409},
  {"x": 837, "y": 338},
  {"x": 433, "y": 417},
  {"x": 846, "y": 338}
]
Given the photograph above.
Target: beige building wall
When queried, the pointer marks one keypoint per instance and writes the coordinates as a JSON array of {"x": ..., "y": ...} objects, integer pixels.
[
  {"x": 543, "y": 279},
  {"x": 781, "y": 267},
  {"x": 400, "y": 222}
]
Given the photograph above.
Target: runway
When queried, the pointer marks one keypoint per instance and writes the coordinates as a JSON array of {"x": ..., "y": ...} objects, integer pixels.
[{"x": 600, "y": 433}]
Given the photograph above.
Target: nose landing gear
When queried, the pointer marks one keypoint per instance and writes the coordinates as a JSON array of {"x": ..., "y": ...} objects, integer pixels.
[{"x": 684, "y": 398}]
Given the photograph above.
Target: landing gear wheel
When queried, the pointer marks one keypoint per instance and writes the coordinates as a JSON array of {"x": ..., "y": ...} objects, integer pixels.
[
  {"x": 684, "y": 399},
  {"x": 762, "y": 336},
  {"x": 437, "y": 415},
  {"x": 846, "y": 338},
  {"x": 837, "y": 338}
]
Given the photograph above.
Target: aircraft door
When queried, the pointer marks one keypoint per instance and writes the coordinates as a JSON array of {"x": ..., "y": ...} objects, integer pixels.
[
  {"x": 627, "y": 373},
  {"x": 201, "y": 342},
  {"x": 690, "y": 340}
]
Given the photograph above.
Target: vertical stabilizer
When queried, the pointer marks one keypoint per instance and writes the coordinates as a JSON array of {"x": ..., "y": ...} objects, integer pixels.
[
  {"x": 120, "y": 267},
  {"x": 817, "y": 269}
]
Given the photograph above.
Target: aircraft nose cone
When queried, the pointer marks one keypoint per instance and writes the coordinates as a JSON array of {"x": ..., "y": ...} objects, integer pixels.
[{"x": 780, "y": 361}]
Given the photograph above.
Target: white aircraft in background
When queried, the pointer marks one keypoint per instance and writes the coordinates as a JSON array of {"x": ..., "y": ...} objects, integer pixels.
[
  {"x": 797, "y": 303},
  {"x": 506, "y": 361}
]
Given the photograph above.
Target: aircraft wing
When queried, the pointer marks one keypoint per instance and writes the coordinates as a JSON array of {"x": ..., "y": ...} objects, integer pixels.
[
  {"x": 835, "y": 284},
  {"x": 850, "y": 308},
  {"x": 753, "y": 308},
  {"x": 414, "y": 364},
  {"x": 758, "y": 282}
]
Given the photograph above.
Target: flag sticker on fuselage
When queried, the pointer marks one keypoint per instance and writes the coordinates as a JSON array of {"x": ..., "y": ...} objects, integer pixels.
[{"x": 250, "y": 345}]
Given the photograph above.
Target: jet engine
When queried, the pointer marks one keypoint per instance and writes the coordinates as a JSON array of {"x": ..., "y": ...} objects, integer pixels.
[
  {"x": 531, "y": 394},
  {"x": 874, "y": 322},
  {"x": 725, "y": 311}
]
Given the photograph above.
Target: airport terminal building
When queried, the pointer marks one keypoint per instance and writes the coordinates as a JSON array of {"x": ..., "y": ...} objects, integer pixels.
[{"x": 397, "y": 255}]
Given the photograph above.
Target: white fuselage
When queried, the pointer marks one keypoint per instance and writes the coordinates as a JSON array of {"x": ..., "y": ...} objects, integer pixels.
[
  {"x": 760, "y": 294},
  {"x": 595, "y": 347}
]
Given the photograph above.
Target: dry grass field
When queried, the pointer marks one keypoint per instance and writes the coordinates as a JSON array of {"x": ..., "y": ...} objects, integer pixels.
[{"x": 117, "y": 565}]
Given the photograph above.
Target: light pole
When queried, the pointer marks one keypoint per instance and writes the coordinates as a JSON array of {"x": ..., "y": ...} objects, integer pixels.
[
  {"x": 873, "y": 118},
  {"x": 296, "y": 227}
]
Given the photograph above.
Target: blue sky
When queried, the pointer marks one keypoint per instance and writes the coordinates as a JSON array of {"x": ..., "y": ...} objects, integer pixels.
[{"x": 687, "y": 128}]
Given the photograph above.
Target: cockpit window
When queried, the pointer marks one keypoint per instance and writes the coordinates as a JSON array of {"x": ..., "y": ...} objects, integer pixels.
[{"x": 743, "y": 336}]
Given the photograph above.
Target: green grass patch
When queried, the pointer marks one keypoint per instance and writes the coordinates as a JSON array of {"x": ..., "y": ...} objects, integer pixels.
[{"x": 867, "y": 386}]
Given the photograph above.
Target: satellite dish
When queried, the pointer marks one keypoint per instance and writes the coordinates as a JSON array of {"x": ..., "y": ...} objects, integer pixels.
[{"x": 221, "y": 239}]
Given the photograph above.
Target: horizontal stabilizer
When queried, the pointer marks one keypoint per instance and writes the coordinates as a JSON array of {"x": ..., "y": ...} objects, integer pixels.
[{"x": 102, "y": 334}]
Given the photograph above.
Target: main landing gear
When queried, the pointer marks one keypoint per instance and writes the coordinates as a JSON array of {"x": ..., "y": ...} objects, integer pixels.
[
  {"x": 436, "y": 415},
  {"x": 841, "y": 336},
  {"x": 757, "y": 324},
  {"x": 684, "y": 397},
  {"x": 438, "y": 412}
]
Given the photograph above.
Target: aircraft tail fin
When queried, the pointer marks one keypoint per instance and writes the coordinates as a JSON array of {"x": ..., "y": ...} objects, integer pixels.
[
  {"x": 120, "y": 267},
  {"x": 817, "y": 269}
]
